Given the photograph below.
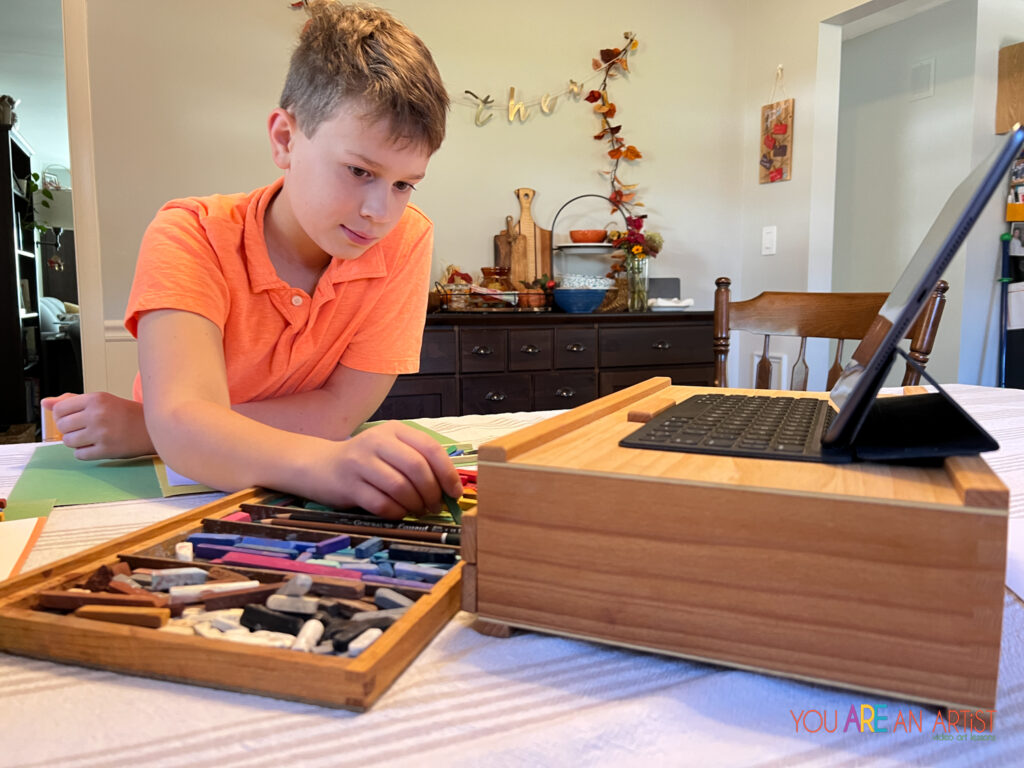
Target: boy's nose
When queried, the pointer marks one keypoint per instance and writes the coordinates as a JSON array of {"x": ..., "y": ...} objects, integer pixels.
[{"x": 375, "y": 205}]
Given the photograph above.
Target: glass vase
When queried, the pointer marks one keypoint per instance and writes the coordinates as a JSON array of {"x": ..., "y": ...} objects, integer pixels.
[{"x": 636, "y": 281}]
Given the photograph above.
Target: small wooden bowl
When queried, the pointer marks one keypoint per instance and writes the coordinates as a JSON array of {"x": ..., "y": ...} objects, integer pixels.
[{"x": 587, "y": 235}]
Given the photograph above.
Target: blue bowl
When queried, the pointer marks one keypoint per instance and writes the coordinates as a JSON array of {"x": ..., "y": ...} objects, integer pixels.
[{"x": 579, "y": 300}]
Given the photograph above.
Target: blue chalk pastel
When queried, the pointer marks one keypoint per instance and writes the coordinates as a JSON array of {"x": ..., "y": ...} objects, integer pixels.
[
  {"x": 385, "y": 568},
  {"x": 360, "y": 567},
  {"x": 387, "y": 581},
  {"x": 260, "y": 541},
  {"x": 417, "y": 572},
  {"x": 369, "y": 547},
  {"x": 304, "y": 556},
  {"x": 327, "y": 546},
  {"x": 224, "y": 539},
  {"x": 380, "y": 556}
]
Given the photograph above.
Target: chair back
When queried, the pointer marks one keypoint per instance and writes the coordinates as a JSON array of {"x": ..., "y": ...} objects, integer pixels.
[{"x": 838, "y": 316}]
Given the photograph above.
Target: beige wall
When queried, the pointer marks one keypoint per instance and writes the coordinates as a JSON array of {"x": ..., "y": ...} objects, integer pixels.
[{"x": 179, "y": 93}]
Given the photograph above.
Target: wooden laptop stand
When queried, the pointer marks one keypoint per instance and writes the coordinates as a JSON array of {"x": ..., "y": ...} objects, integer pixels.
[{"x": 881, "y": 578}]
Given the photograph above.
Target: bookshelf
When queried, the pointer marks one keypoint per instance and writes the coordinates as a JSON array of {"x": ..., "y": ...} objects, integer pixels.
[{"x": 20, "y": 277}]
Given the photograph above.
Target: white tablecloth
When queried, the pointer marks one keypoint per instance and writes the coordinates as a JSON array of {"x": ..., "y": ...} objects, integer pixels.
[{"x": 471, "y": 700}]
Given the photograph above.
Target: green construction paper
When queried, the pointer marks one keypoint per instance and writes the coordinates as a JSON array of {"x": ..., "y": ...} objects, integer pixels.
[
  {"x": 436, "y": 435},
  {"x": 166, "y": 489},
  {"x": 53, "y": 471},
  {"x": 19, "y": 509}
]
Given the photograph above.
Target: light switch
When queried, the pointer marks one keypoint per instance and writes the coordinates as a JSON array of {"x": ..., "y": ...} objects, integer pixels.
[{"x": 768, "y": 241}]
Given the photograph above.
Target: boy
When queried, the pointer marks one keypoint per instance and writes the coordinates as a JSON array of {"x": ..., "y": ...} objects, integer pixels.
[{"x": 268, "y": 323}]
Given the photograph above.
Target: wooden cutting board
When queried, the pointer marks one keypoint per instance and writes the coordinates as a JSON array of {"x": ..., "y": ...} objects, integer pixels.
[{"x": 538, "y": 239}]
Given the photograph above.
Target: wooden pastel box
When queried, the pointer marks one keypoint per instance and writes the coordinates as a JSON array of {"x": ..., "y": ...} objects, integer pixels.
[
  {"x": 880, "y": 578},
  {"x": 333, "y": 681}
]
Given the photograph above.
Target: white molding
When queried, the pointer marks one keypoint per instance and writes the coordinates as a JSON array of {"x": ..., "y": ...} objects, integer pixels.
[
  {"x": 87, "y": 219},
  {"x": 114, "y": 330}
]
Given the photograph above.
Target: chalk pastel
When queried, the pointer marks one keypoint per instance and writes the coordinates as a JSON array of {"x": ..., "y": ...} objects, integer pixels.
[
  {"x": 385, "y": 598},
  {"x": 261, "y": 541},
  {"x": 166, "y": 578},
  {"x": 340, "y": 608},
  {"x": 364, "y": 641},
  {"x": 341, "y": 634},
  {"x": 387, "y": 581},
  {"x": 386, "y": 568},
  {"x": 304, "y": 556},
  {"x": 308, "y": 636},
  {"x": 334, "y": 544},
  {"x": 297, "y": 586},
  {"x": 257, "y": 617},
  {"x": 241, "y": 598},
  {"x": 417, "y": 553},
  {"x": 417, "y": 572},
  {"x": 261, "y": 561},
  {"x": 368, "y": 547},
  {"x": 238, "y": 517},
  {"x": 292, "y": 604},
  {"x": 183, "y": 551},
  {"x": 224, "y": 539}
]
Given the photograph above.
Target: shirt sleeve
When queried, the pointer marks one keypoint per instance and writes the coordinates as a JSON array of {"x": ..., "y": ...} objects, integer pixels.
[
  {"x": 390, "y": 342},
  {"x": 177, "y": 268}
]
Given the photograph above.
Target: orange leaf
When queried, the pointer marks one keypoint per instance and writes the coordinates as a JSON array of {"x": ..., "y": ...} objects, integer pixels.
[
  {"x": 632, "y": 153},
  {"x": 634, "y": 46},
  {"x": 623, "y": 64},
  {"x": 600, "y": 135},
  {"x": 595, "y": 63},
  {"x": 615, "y": 154},
  {"x": 629, "y": 198},
  {"x": 610, "y": 112},
  {"x": 602, "y": 108}
]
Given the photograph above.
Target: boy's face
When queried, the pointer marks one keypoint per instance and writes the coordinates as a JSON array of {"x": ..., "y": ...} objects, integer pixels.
[{"x": 349, "y": 184}]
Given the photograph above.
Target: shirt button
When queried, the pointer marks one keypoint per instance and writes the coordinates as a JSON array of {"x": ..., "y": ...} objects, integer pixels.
[{"x": 297, "y": 300}]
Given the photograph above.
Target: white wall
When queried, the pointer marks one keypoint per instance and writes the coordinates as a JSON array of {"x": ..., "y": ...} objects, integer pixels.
[
  {"x": 179, "y": 93},
  {"x": 899, "y": 157},
  {"x": 1000, "y": 23}
]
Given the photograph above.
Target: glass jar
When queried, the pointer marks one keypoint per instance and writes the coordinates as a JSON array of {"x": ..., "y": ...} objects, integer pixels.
[{"x": 497, "y": 278}]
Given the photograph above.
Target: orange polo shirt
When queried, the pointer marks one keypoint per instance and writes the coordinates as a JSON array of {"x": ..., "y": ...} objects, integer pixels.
[{"x": 208, "y": 255}]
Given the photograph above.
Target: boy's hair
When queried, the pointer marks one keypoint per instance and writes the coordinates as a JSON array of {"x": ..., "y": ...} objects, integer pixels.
[{"x": 364, "y": 55}]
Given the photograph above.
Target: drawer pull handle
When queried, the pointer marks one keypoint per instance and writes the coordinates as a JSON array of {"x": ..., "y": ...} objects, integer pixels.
[
  {"x": 575, "y": 347},
  {"x": 566, "y": 392},
  {"x": 495, "y": 397},
  {"x": 661, "y": 345},
  {"x": 529, "y": 349},
  {"x": 481, "y": 351}
]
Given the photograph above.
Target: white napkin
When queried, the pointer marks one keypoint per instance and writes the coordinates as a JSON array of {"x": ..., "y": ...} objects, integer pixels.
[{"x": 669, "y": 303}]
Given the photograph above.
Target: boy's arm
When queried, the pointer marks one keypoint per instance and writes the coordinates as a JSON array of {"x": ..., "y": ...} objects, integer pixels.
[
  {"x": 389, "y": 470},
  {"x": 347, "y": 399},
  {"x": 99, "y": 425}
]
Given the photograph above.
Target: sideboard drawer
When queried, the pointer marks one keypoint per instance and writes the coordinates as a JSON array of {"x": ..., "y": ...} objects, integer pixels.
[
  {"x": 529, "y": 350},
  {"x": 655, "y": 345},
  {"x": 563, "y": 390},
  {"x": 496, "y": 394},
  {"x": 438, "y": 354},
  {"x": 575, "y": 347},
  {"x": 686, "y": 375},
  {"x": 483, "y": 350}
]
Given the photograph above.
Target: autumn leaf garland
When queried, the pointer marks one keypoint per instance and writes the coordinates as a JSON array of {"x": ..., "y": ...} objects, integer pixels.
[{"x": 615, "y": 61}]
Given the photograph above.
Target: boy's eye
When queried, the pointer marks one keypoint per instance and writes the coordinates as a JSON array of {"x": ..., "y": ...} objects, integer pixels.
[
  {"x": 358, "y": 172},
  {"x": 404, "y": 186}
]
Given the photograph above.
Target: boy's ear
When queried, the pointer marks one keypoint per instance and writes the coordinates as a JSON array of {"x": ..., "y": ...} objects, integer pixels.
[{"x": 282, "y": 129}]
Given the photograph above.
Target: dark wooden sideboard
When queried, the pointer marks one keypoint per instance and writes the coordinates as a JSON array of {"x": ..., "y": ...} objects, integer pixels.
[{"x": 480, "y": 363}]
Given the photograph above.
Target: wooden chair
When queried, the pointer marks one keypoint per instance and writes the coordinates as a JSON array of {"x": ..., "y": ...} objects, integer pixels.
[{"x": 815, "y": 315}]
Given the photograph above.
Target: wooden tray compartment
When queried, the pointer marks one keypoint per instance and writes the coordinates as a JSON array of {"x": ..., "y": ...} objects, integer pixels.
[
  {"x": 333, "y": 681},
  {"x": 872, "y": 577}
]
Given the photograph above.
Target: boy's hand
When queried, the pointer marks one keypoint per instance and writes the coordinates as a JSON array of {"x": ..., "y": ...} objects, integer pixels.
[
  {"x": 391, "y": 470},
  {"x": 100, "y": 425}
]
